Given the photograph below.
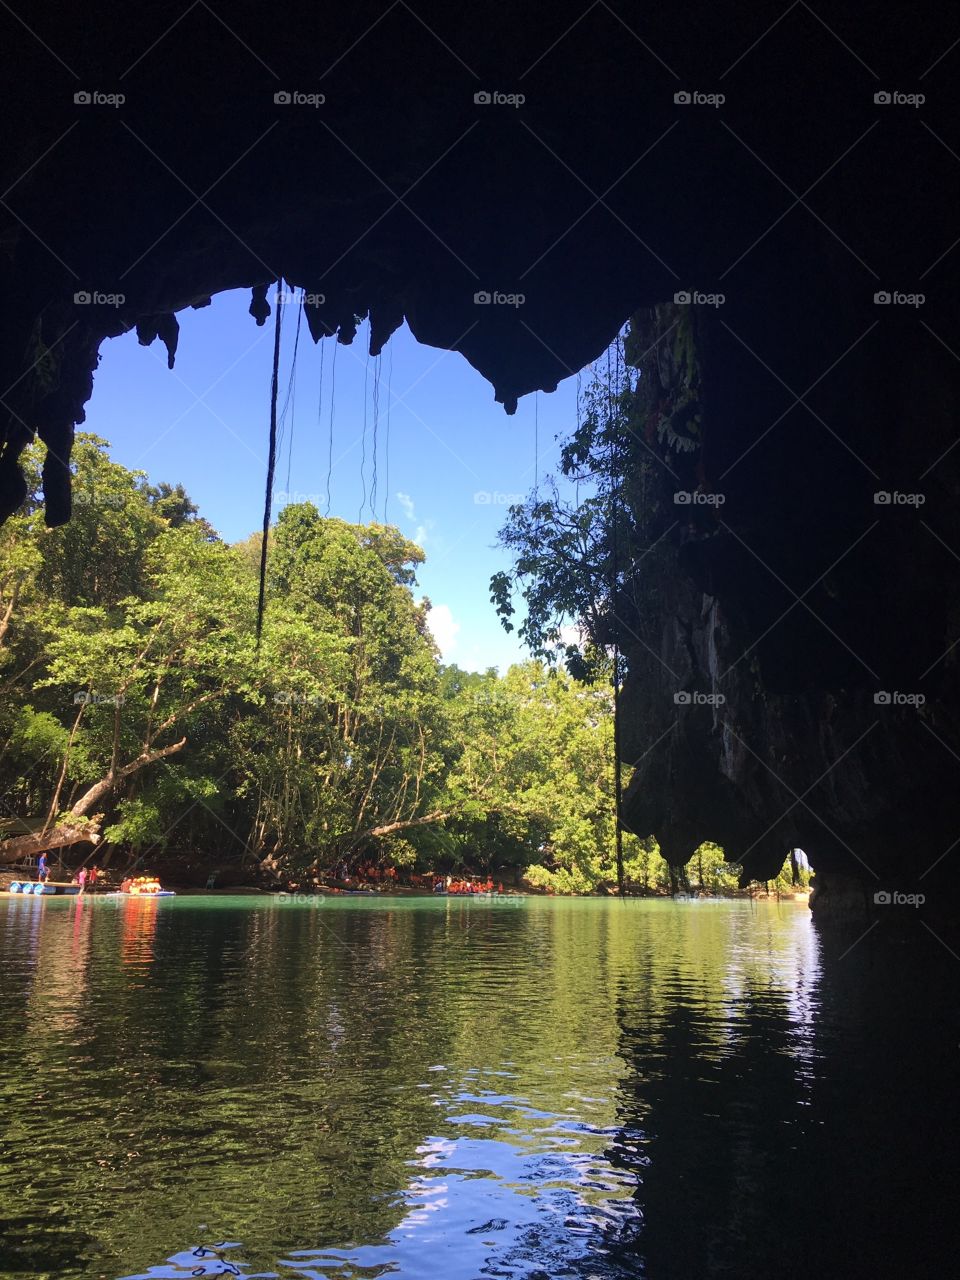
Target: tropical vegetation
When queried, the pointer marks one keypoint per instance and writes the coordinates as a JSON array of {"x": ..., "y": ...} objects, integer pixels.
[{"x": 138, "y": 705}]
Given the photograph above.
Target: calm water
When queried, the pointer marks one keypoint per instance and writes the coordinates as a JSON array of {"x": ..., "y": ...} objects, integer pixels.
[{"x": 439, "y": 1088}]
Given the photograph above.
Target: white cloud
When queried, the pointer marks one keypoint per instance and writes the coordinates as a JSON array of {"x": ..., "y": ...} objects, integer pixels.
[
  {"x": 445, "y": 628},
  {"x": 571, "y": 635},
  {"x": 423, "y": 530}
]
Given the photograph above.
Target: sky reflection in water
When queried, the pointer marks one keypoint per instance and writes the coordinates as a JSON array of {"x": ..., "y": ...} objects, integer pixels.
[{"x": 443, "y": 1088}]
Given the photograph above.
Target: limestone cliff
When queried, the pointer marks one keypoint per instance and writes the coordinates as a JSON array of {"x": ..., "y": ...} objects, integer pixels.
[{"x": 790, "y": 633}]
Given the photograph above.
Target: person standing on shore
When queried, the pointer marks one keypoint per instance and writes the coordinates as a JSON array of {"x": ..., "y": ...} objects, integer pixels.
[
  {"x": 82, "y": 878},
  {"x": 43, "y": 869}
]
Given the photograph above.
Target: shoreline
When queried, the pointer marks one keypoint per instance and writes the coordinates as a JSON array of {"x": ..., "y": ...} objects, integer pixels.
[{"x": 322, "y": 892}]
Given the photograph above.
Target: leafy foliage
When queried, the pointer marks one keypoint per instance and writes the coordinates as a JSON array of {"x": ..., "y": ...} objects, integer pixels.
[{"x": 135, "y": 689}]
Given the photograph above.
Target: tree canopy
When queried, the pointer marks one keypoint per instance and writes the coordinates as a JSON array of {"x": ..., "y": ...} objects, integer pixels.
[{"x": 138, "y": 704}]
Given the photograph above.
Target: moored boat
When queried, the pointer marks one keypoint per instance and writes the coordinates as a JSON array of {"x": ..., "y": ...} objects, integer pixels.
[
  {"x": 142, "y": 887},
  {"x": 160, "y": 893},
  {"x": 42, "y": 888}
]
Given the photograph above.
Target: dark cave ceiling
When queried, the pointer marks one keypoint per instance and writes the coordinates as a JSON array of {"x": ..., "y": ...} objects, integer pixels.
[{"x": 400, "y": 159}]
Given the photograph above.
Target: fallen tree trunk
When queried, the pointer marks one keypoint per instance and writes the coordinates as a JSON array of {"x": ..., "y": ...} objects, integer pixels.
[
  {"x": 65, "y": 834},
  {"x": 106, "y": 785},
  {"x": 58, "y": 837},
  {"x": 388, "y": 828}
]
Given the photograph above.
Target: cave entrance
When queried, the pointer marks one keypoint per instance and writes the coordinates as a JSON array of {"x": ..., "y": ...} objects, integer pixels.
[
  {"x": 412, "y": 437},
  {"x": 409, "y": 452}
]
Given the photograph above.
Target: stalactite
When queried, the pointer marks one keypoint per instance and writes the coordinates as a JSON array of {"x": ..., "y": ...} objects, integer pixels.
[{"x": 259, "y": 306}]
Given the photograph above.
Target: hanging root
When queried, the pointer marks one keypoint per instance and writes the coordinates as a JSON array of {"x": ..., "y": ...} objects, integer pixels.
[{"x": 271, "y": 465}]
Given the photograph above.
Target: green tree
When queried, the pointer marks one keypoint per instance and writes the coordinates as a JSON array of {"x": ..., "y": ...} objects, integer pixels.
[
  {"x": 134, "y": 690},
  {"x": 141, "y": 674},
  {"x": 537, "y": 761},
  {"x": 355, "y": 734}
]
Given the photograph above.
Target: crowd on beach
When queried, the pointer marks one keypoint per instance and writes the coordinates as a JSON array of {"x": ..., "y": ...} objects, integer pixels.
[
  {"x": 449, "y": 884},
  {"x": 369, "y": 874}
]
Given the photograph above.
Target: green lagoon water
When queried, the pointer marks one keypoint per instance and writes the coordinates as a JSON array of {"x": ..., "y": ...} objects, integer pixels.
[{"x": 459, "y": 1089}]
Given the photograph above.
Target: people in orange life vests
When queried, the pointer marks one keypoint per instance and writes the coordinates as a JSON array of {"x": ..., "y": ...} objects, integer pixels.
[
  {"x": 462, "y": 886},
  {"x": 146, "y": 885},
  {"x": 371, "y": 873},
  {"x": 140, "y": 886}
]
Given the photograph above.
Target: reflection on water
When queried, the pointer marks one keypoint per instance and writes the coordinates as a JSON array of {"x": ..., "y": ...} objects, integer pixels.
[{"x": 460, "y": 1089}]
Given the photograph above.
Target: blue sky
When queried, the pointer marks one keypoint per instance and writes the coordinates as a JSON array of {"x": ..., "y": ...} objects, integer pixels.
[{"x": 205, "y": 424}]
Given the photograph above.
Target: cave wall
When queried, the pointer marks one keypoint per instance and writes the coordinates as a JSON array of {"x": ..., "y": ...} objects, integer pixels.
[{"x": 792, "y": 636}]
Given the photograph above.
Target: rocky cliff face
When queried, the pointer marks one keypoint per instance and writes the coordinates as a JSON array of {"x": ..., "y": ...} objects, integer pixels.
[{"x": 793, "y": 669}]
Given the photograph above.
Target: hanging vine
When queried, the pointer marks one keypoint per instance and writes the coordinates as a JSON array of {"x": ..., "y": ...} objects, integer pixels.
[
  {"x": 271, "y": 465},
  {"x": 333, "y": 396}
]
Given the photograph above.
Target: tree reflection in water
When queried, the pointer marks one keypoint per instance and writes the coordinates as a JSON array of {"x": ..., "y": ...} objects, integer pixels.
[{"x": 583, "y": 1088}]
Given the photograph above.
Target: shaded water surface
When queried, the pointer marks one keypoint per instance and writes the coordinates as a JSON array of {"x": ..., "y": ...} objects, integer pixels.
[{"x": 456, "y": 1089}]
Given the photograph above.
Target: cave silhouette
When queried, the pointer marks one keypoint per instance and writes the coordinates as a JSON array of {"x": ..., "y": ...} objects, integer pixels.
[{"x": 781, "y": 179}]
